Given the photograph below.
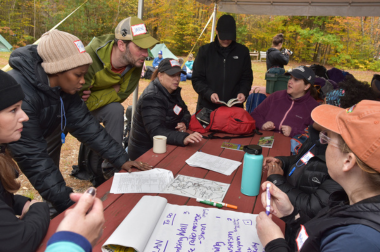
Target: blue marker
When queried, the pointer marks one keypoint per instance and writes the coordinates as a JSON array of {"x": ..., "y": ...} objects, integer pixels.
[{"x": 291, "y": 172}]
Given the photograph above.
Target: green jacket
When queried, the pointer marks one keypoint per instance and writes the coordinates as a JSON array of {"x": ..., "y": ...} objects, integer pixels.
[{"x": 101, "y": 78}]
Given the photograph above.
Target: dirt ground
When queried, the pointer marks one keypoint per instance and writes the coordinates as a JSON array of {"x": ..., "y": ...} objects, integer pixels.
[{"x": 69, "y": 153}]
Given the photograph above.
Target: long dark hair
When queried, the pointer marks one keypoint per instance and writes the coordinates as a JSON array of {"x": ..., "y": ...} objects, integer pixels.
[
  {"x": 8, "y": 171},
  {"x": 154, "y": 74}
]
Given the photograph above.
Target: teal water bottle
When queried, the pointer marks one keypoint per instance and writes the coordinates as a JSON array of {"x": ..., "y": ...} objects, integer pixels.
[{"x": 252, "y": 170}]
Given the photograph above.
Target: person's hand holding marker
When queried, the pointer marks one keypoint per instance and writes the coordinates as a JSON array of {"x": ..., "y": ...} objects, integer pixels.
[{"x": 280, "y": 204}]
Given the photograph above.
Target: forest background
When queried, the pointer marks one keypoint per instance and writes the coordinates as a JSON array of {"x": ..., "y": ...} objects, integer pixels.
[{"x": 343, "y": 42}]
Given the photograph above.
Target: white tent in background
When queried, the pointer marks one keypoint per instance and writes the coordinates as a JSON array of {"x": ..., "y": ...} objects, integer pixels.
[{"x": 299, "y": 7}]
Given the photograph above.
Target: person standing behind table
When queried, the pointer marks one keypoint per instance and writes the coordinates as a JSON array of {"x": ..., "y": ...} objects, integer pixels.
[
  {"x": 157, "y": 60},
  {"x": 51, "y": 74},
  {"x": 22, "y": 234},
  {"x": 161, "y": 111},
  {"x": 222, "y": 69},
  {"x": 275, "y": 58},
  {"x": 288, "y": 111},
  {"x": 118, "y": 60}
]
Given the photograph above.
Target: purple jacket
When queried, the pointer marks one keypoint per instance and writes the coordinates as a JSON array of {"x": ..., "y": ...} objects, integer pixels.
[{"x": 282, "y": 110}]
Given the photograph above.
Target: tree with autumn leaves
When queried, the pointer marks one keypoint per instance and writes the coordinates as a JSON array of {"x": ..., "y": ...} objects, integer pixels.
[{"x": 352, "y": 42}]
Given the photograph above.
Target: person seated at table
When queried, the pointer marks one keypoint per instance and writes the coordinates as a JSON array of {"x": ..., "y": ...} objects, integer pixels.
[
  {"x": 82, "y": 226},
  {"x": 161, "y": 111},
  {"x": 288, "y": 111},
  {"x": 309, "y": 185},
  {"x": 26, "y": 232},
  {"x": 157, "y": 60},
  {"x": 51, "y": 74},
  {"x": 353, "y": 161}
]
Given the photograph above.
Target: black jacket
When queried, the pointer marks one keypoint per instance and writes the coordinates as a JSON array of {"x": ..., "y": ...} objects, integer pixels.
[
  {"x": 42, "y": 105},
  {"x": 276, "y": 59},
  {"x": 155, "y": 115},
  {"x": 25, "y": 234},
  {"x": 338, "y": 214},
  {"x": 225, "y": 71},
  {"x": 310, "y": 186}
]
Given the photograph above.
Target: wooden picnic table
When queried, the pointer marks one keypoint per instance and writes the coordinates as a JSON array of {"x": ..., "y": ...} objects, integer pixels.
[{"x": 117, "y": 206}]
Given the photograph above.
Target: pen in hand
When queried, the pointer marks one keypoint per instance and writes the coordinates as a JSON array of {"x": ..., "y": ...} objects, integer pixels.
[{"x": 267, "y": 208}]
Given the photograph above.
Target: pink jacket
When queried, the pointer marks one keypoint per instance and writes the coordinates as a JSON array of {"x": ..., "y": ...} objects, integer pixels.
[{"x": 282, "y": 110}]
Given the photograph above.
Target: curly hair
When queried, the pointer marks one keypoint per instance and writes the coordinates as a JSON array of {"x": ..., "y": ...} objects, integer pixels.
[{"x": 355, "y": 91}]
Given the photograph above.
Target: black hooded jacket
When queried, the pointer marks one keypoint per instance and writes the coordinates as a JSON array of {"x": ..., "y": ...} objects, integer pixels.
[
  {"x": 225, "y": 71},
  {"x": 155, "y": 116},
  {"x": 42, "y": 105},
  {"x": 276, "y": 59},
  {"x": 26, "y": 234}
]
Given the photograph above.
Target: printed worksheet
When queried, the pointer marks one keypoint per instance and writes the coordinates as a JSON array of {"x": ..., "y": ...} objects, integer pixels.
[
  {"x": 153, "y": 225},
  {"x": 197, "y": 188},
  {"x": 151, "y": 181},
  {"x": 214, "y": 163}
]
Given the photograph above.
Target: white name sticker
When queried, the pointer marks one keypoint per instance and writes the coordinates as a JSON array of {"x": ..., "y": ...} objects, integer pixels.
[
  {"x": 302, "y": 237},
  {"x": 138, "y": 29},
  {"x": 307, "y": 157},
  {"x": 177, "y": 109},
  {"x": 80, "y": 46},
  {"x": 174, "y": 63}
]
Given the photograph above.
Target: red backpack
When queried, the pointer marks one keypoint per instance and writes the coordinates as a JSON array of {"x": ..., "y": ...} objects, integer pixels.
[{"x": 234, "y": 120}]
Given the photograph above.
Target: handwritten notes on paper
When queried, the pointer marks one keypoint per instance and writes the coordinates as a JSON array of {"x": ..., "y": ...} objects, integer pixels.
[
  {"x": 214, "y": 163},
  {"x": 197, "y": 188},
  {"x": 154, "y": 225},
  {"x": 152, "y": 181}
]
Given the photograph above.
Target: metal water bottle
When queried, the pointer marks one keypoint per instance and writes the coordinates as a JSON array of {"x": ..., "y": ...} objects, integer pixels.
[{"x": 252, "y": 170}]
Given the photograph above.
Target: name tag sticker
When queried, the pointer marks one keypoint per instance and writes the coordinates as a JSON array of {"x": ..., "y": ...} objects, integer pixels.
[
  {"x": 307, "y": 157},
  {"x": 174, "y": 63},
  {"x": 79, "y": 46},
  {"x": 177, "y": 109},
  {"x": 302, "y": 237},
  {"x": 138, "y": 29}
]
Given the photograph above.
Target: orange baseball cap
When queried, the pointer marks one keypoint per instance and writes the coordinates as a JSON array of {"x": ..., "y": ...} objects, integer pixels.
[{"x": 359, "y": 127}]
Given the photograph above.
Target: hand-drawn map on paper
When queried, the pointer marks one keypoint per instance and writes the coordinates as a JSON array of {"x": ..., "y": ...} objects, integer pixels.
[{"x": 197, "y": 188}]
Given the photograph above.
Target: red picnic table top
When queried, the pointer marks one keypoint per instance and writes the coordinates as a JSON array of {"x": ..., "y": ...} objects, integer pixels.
[{"x": 118, "y": 206}]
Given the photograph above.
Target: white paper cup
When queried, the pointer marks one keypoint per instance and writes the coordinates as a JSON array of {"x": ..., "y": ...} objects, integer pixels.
[{"x": 159, "y": 144}]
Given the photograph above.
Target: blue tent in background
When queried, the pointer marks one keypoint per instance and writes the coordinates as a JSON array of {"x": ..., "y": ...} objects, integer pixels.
[
  {"x": 166, "y": 53},
  {"x": 4, "y": 45}
]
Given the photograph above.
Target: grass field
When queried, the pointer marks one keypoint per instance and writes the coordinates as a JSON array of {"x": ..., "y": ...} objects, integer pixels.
[{"x": 69, "y": 153}]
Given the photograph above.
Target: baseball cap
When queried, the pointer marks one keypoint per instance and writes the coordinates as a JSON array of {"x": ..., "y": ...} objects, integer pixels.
[
  {"x": 170, "y": 66},
  {"x": 160, "y": 52},
  {"x": 359, "y": 127},
  {"x": 302, "y": 72},
  {"x": 134, "y": 29},
  {"x": 226, "y": 28}
]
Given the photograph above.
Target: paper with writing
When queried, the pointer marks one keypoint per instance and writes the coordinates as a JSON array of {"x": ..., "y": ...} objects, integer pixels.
[
  {"x": 152, "y": 181},
  {"x": 214, "y": 163},
  {"x": 197, "y": 188},
  {"x": 173, "y": 228}
]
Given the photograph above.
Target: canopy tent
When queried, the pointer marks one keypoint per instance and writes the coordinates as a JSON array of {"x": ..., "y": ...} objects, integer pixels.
[
  {"x": 4, "y": 45},
  {"x": 166, "y": 53},
  {"x": 299, "y": 7}
]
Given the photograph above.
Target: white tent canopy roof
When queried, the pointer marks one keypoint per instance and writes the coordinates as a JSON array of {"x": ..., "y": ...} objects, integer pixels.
[{"x": 299, "y": 7}]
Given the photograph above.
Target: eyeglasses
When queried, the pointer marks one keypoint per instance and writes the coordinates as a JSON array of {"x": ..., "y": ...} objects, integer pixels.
[{"x": 324, "y": 139}]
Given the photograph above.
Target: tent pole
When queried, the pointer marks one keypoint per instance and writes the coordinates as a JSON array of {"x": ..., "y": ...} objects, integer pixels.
[
  {"x": 213, "y": 22},
  {"x": 136, "y": 92}
]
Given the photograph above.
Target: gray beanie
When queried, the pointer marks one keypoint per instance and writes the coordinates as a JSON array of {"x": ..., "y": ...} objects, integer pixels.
[{"x": 61, "y": 51}]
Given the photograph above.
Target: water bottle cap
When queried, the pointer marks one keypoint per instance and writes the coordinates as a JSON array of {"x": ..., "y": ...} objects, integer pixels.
[{"x": 253, "y": 149}]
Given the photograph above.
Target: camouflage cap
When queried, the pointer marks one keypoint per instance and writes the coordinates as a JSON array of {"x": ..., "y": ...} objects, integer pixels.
[{"x": 134, "y": 29}]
